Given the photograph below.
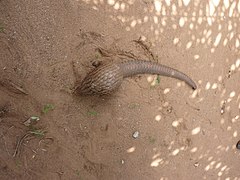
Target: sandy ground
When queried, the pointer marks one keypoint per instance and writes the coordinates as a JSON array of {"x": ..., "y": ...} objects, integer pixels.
[{"x": 47, "y": 47}]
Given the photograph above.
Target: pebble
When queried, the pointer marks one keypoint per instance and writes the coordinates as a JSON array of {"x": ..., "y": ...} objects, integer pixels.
[
  {"x": 31, "y": 120},
  {"x": 238, "y": 145},
  {"x": 135, "y": 134},
  {"x": 196, "y": 164}
]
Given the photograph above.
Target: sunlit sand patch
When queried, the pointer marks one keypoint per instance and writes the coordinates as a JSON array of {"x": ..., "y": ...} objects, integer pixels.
[
  {"x": 186, "y": 2},
  {"x": 175, "y": 152},
  {"x": 158, "y": 117},
  {"x": 196, "y": 131},
  {"x": 218, "y": 39},
  {"x": 193, "y": 150},
  {"x": 132, "y": 149},
  {"x": 156, "y": 162}
]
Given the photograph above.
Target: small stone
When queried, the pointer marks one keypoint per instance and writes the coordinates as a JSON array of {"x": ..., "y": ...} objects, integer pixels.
[
  {"x": 196, "y": 164},
  {"x": 238, "y": 145},
  {"x": 31, "y": 120},
  {"x": 122, "y": 161},
  {"x": 96, "y": 63},
  {"x": 169, "y": 110},
  {"x": 222, "y": 111},
  {"x": 135, "y": 134}
]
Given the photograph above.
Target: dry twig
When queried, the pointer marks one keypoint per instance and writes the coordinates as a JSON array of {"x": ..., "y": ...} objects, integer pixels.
[{"x": 19, "y": 143}]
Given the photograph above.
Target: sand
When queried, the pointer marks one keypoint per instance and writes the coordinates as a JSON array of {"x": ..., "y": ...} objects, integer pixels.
[{"x": 47, "y": 47}]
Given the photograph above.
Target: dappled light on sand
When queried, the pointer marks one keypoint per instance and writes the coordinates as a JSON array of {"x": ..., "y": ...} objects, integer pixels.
[
  {"x": 202, "y": 30},
  {"x": 196, "y": 130}
]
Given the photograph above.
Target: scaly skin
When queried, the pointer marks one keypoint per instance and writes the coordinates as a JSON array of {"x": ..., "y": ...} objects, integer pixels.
[{"x": 106, "y": 79}]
